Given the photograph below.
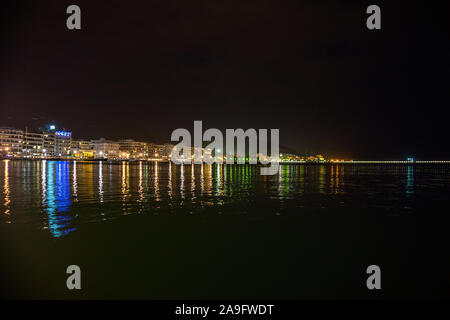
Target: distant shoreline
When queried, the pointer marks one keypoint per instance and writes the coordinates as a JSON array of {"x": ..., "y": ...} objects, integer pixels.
[{"x": 354, "y": 162}]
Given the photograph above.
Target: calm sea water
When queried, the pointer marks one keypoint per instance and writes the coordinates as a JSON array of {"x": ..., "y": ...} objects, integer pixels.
[
  {"x": 218, "y": 231},
  {"x": 61, "y": 196}
]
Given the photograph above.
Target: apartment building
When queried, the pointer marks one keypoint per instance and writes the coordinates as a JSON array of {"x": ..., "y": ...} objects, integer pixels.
[
  {"x": 32, "y": 144},
  {"x": 133, "y": 149},
  {"x": 105, "y": 149},
  {"x": 11, "y": 141}
]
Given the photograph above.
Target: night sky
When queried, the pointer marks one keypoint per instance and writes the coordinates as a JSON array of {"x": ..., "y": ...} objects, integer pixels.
[{"x": 140, "y": 69}]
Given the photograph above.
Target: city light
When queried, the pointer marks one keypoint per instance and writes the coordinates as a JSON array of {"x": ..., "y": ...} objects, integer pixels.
[
  {"x": 60, "y": 144},
  {"x": 63, "y": 133}
]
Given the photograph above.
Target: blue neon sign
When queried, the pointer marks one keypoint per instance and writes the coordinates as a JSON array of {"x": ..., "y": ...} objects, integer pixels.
[{"x": 63, "y": 133}]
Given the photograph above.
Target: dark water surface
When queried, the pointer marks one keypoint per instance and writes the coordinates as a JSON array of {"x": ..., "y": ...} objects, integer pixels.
[{"x": 148, "y": 230}]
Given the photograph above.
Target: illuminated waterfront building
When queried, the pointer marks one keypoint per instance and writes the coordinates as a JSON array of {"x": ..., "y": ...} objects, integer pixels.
[
  {"x": 81, "y": 149},
  {"x": 25, "y": 144},
  {"x": 153, "y": 151},
  {"x": 166, "y": 151},
  {"x": 11, "y": 141},
  {"x": 80, "y": 144},
  {"x": 48, "y": 147},
  {"x": 159, "y": 151},
  {"x": 48, "y": 144},
  {"x": 62, "y": 143},
  {"x": 105, "y": 149},
  {"x": 33, "y": 144},
  {"x": 133, "y": 149}
]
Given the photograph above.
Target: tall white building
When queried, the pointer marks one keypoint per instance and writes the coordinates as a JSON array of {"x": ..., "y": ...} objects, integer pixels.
[
  {"x": 11, "y": 141},
  {"x": 46, "y": 144},
  {"x": 63, "y": 141},
  {"x": 33, "y": 144}
]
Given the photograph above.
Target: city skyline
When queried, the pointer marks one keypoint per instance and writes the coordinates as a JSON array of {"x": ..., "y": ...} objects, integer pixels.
[
  {"x": 129, "y": 148},
  {"x": 319, "y": 75},
  {"x": 50, "y": 141}
]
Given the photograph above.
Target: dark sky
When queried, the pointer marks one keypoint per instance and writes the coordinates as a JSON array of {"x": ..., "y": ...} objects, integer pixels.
[{"x": 140, "y": 69}]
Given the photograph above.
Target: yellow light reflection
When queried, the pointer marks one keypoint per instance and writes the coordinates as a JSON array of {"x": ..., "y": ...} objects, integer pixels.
[
  {"x": 7, "y": 191},
  {"x": 140, "y": 188},
  {"x": 100, "y": 181},
  {"x": 74, "y": 182},
  {"x": 156, "y": 182}
]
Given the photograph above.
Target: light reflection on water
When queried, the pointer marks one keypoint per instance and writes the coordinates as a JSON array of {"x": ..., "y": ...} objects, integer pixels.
[
  {"x": 6, "y": 191},
  {"x": 61, "y": 195}
]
